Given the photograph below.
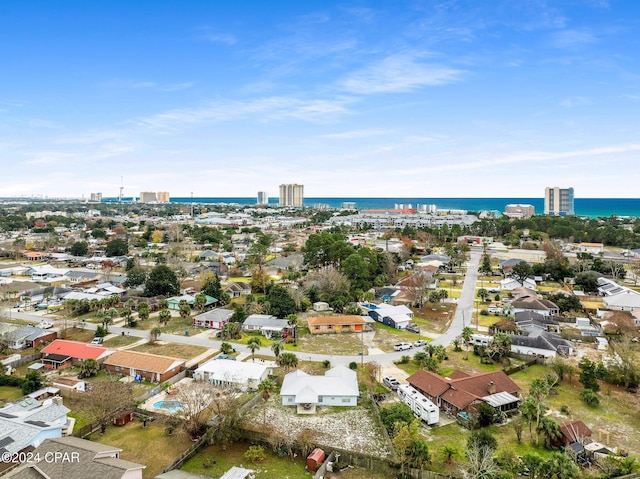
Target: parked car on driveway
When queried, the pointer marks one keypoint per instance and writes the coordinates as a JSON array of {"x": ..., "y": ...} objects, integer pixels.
[
  {"x": 413, "y": 328},
  {"x": 97, "y": 340},
  {"x": 402, "y": 346},
  {"x": 45, "y": 325},
  {"x": 391, "y": 382},
  {"x": 419, "y": 343}
]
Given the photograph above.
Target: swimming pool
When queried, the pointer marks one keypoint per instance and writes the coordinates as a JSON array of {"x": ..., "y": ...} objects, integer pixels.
[{"x": 172, "y": 406}]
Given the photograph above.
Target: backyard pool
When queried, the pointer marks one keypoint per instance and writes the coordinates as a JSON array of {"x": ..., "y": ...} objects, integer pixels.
[{"x": 172, "y": 406}]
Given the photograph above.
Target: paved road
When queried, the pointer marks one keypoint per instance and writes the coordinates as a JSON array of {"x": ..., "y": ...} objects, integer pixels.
[
  {"x": 464, "y": 311},
  {"x": 462, "y": 317}
]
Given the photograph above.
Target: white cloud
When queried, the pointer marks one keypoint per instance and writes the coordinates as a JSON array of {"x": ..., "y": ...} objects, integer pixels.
[
  {"x": 572, "y": 39},
  {"x": 401, "y": 72},
  {"x": 346, "y": 135},
  {"x": 223, "y": 38},
  {"x": 575, "y": 101}
]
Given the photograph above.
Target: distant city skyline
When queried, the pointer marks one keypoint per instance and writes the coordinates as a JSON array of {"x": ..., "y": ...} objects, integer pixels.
[{"x": 351, "y": 99}]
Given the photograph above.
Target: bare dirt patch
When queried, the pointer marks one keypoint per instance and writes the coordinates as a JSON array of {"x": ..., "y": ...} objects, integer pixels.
[{"x": 353, "y": 429}]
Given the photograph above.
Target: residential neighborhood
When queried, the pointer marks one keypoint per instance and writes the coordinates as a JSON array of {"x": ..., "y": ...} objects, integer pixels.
[{"x": 139, "y": 327}]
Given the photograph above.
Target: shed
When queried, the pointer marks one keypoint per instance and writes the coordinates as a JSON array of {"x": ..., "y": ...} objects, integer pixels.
[
  {"x": 123, "y": 418},
  {"x": 315, "y": 459}
]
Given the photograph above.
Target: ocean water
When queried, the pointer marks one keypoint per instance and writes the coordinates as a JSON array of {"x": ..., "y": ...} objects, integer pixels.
[{"x": 591, "y": 207}]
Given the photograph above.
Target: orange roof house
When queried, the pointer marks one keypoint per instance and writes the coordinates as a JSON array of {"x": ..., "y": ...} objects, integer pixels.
[
  {"x": 148, "y": 366},
  {"x": 336, "y": 324},
  {"x": 62, "y": 353},
  {"x": 461, "y": 390}
]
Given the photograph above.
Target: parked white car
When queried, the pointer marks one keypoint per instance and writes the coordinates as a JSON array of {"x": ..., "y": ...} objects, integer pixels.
[
  {"x": 391, "y": 382},
  {"x": 419, "y": 343},
  {"x": 45, "y": 325},
  {"x": 402, "y": 346}
]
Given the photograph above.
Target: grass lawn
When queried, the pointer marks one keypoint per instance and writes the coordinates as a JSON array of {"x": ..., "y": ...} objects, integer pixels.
[
  {"x": 212, "y": 461},
  {"x": 174, "y": 350},
  {"x": 149, "y": 446},
  {"x": 77, "y": 334},
  {"x": 9, "y": 393},
  {"x": 119, "y": 341}
]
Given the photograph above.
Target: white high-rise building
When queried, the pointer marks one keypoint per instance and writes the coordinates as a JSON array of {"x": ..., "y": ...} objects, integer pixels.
[
  {"x": 558, "y": 201},
  {"x": 291, "y": 195},
  {"x": 263, "y": 198}
]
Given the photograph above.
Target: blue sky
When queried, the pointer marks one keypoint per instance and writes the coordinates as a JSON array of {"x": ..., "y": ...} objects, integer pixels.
[{"x": 350, "y": 98}]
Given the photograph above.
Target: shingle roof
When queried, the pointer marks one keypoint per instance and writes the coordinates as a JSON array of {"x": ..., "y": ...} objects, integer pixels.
[{"x": 143, "y": 361}]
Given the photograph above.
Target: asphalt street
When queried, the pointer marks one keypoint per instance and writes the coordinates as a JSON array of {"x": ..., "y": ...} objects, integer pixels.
[{"x": 462, "y": 317}]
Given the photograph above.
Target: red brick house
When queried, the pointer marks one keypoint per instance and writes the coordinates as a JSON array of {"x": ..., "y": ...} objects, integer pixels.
[
  {"x": 461, "y": 391},
  {"x": 336, "y": 324},
  {"x": 63, "y": 353},
  {"x": 151, "y": 367}
]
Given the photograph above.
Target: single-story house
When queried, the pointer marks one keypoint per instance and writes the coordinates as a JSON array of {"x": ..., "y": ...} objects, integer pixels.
[
  {"x": 336, "y": 324},
  {"x": 21, "y": 337},
  {"x": 147, "y": 366},
  {"x": 535, "y": 305},
  {"x": 63, "y": 353},
  {"x": 541, "y": 343},
  {"x": 236, "y": 374},
  {"x": 507, "y": 265},
  {"x": 266, "y": 324},
  {"x": 509, "y": 284},
  {"x": 593, "y": 248},
  {"x": 235, "y": 289},
  {"x": 626, "y": 300},
  {"x": 77, "y": 458},
  {"x": 214, "y": 319},
  {"x": 386, "y": 293},
  {"x": 174, "y": 302},
  {"x": 395, "y": 316},
  {"x": 529, "y": 321},
  {"x": 69, "y": 382},
  {"x": 321, "y": 306},
  {"x": 460, "y": 392},
  {"x": 208, "y": 255},
  {"x": 338, "y": 387}
]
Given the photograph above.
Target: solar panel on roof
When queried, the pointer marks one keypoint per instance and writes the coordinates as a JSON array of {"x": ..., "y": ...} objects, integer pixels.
[
  {"x": 37, "y": 423},
  {"x": 8, "y": 416},
  {"x": 6, "y": 441}
]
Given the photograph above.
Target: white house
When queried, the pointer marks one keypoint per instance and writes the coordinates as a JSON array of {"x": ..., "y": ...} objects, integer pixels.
[
  {"x": 266, "y": 324},
  {"x": 509, "y": 284},
  {"x": 626, "y": 300},
  {"x": 215, "y": 318},
  {"x": 338, "y": 387},
  {"x": 236, "y": 374}
]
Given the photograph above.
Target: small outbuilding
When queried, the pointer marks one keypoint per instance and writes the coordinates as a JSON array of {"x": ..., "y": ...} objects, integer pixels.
[{"x": 315, "y": 459}]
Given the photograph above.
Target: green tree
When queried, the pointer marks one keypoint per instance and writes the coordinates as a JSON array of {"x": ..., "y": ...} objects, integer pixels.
[
  {"x": 200, "y": 302},
  {"x": 226, "y": 348},
  {"x": 521, "y": 271},
  {"x": 143, "y": 310},
  {"x": 287, "y": 361},
  {"x": 466, "y": 335},
  {"x": 79, "y": 248},
  {"x": 116, "y": 247},
  {"x": 396, "y": 414},
  {"x": 448, "y": 453},
  {"x": 135, "y": 277},
  {"x": 210, "y": 285},
  {"x": 265, "y": 388},
  {"x": 485, "y": 265},
  {"x": 184, "y": 308},
  {"x": 483, "y": 294},
  {"x": 549, "y": 430},
  {"x": 588, "y": 374},
  {"x": 254, "y": 344},
  {"x": 559, "y": 466},
  {"x": 164, "y": 316},
  {"x": 89, "y": 368},
  {"x": 277, "y": 349},
  {"x": 32, "y": 382},
  {"x": 154, "y": 334},
  {"x": 281, "y": 302},
  {"x": 162, "y": 281}
]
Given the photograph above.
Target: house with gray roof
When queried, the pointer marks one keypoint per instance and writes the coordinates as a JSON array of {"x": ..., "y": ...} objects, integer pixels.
[
  {"x": 84, "y": 459},
  {"x": 29, "y": 422},
  {"x": 266, "y": 324},
  {"x": 541, "y": 343},
  {"x": 215, "y": 318}
]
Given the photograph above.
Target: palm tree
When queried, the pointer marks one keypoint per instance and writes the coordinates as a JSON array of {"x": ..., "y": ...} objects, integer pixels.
[
  {"x": 154, "y": 334},
  {"x": 276, "y": 348},
  {"x": 163, "y": 304},
  {"x": 185, "y": 309},
  {"x": 448, "y": 452},
  {"x": 550, "y": 430},
  {"x": 89, "y": 368},
  {"x": 226, "y": 348},
  {"x": 292, "y": 321},
  {"x": 266, "y": 387},
  {"x": 254, "y": 344},
  {"x": 440, "y": 352},
  {"x": 200, "y": 302},
  {"x": 229, "y": 331},
  {"x": 106, "y": 321},
  {"x": 466, "y": 334},
  {"x": 164, "y": 316},
  {"x": 483, "y": 294},
  {"x": 287, "y": 360}
]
